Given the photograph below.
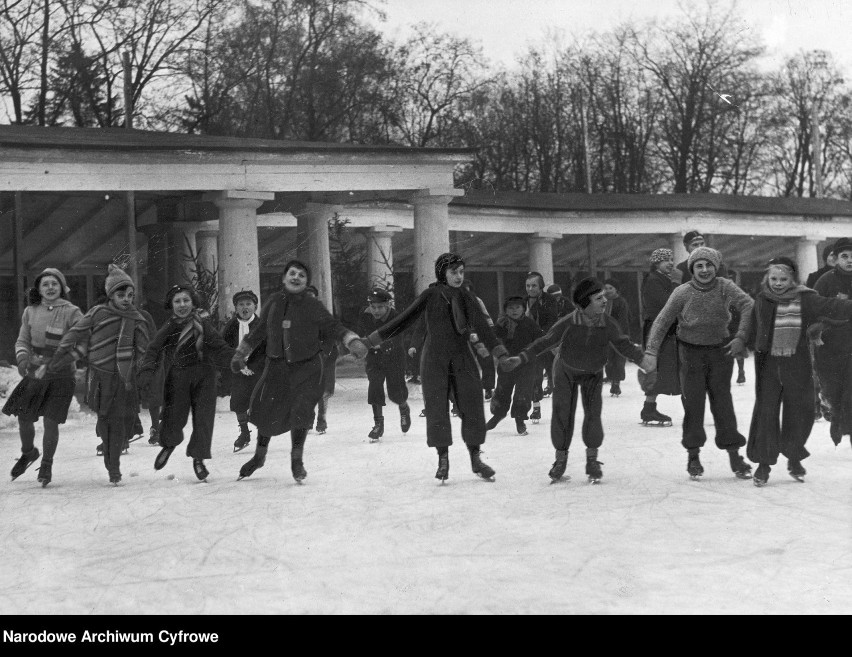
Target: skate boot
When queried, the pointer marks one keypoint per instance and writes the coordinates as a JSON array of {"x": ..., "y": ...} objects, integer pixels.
[
  {"x": 378, "y": 430},
  {"x": 546, "y": 392},
  {"x": 322, "y": 426},
  {"x": 200, "y": 470},
  {"x": 443, "y": 472},
  {"x": 492, "y": 422},
  {"x": 650, "y": 415},
  {"x": 615, "y": 389},
  {"x": 455, "y": 411},
  {"x": 298, "y": 470},
  {"x": 521, "y": 426},
  {"x": 154, "y": 436},
  {"x": 99, "y": 450},
  {"x": 25, "y": 462},
  {"x": 593, "y": 466},
  {"x": 405, "y": 418},
  {"x": 479, "y": 467},
  {"x": 535, "y": 416},
  {"x": 115, "y": 478},
  {"x": 741, "y": 377},
  {"x": 738, "y": 466},
  {"x": 423, "y": 413},
  {"x": 45, "y": 473},
  {"x": 163, "y": 458},
  {"x": 322, "y": 407},
  {"x": 557, "y": 472},
  {"x": 693, "y": 464},
  {"x": 243, "y": 439},
  {"x": 761, "y": 475},
  {"x": 256, "y": 461},
  {"x": 489, "y": 394},
  {"x": 794, "y": 467}
]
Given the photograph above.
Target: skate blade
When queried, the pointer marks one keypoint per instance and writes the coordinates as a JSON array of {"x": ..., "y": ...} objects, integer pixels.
[
  {"x": 594, "y": 480},
  {"x": 43, "y": 483},
  {"x": 759, "y": 484},
  {"x": 373, "y": 440},
  {"x": 799, "y": 478},
  {"x": 321, "y": 432},
  {"x": 534, "y": 421},
  {"x": 239, "y": 449},
  {"x": 133, "y": 439},
  {"x": 560, "y": 480},
  {"x": 743, "y": 475},
  {"x": 490, "y": 479},
  {"x": 695, "y": 477}
]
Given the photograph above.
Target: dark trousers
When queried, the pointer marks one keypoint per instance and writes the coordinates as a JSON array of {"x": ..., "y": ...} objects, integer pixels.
[
  {"x": 489, "y": 372},
  {"x": 614, "y": 369},
  {"x": 784, "y": 386},
  {"x": 191, "y": 388},
  {"x": 705, "y": 372},
  {"x": 378, "y": 375},
  {"x": 835, "y": 377},
  {"x": 543, "y": 363},
  {"x": 519, "y": 381},
  {"x": 114, "y": 430},
  {"x": 568, "y": 386},
  {"x": 442, "y": 374}
]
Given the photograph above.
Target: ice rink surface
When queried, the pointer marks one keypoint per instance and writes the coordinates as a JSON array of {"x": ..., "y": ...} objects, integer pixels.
[{"x": 372, "y": 531}]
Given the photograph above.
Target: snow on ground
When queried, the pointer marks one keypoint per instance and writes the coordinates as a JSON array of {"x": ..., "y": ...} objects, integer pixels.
[{"x": 371, "y": 530}]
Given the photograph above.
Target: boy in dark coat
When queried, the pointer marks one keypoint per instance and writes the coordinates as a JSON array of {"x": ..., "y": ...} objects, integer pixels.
[
  {"x": 617, "y": 308},
  {"x": 691, "y": 241},
  {"x": 517, "y": 331},
  {"x": 542, "y": 308},
  {"x": 295, "y": 325},
  {"x": 454, "y": 322},
  {"x": 242, "y": 384},
  {"x": 584, "y": 338},
  {"x": 385, "y": 365}
]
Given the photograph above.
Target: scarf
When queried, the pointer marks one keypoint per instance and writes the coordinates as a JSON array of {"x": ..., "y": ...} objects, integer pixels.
[
  {"x": 787, "y": 326},
  {"x": 244, "y": 327},
  {"x": 191, "y": 329},
  {"x": 53, "y": 333}
]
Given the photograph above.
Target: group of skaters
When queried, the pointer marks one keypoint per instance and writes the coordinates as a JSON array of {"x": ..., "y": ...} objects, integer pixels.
[{"x": 281, "y": 362}]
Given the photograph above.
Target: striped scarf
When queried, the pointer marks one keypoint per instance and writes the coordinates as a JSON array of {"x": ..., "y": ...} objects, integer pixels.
[
  {"x": 109, "y": 338},
  {"x": 191, "y": 330},
  {"x": 787, "y": 327}
]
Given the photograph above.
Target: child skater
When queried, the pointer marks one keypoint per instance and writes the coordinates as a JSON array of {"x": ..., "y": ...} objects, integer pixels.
[
  {"x": 583, "y": 338},
  {"x": 330, "y": 353},
  {"x": 385, "y": 364},
  {"x": 517, "y": 331},
  {"x": 112, "y": 338},
  {"x": 454, "y": 322},
  {"x": 243, "y": 382},
  {"x": 188, "y": 348},
  {"x": 617, "y": 308},
  {"x": 46, "y": 319},
  {"x": 486, "y": 363},
  {"x": 295, "y": 325},
  {"x": 783, "y": 312},
  {"x": 542, "y": 308},
  {"x": 701, "y": 309}
]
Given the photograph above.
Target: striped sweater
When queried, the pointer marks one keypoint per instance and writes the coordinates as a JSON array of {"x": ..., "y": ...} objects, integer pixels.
[{"x": 42, "y": 328}]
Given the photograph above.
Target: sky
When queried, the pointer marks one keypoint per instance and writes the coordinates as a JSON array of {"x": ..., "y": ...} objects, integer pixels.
[{"x": 504, "y": 27}]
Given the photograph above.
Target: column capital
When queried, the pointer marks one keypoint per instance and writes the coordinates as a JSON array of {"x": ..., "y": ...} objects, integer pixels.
[
  {"x": 238, "y": 198},
  {"x": 377, "y": 230},
  {"x": 545, "y": 236},
  {"x": 425, "y": 197},
  {"x": 207, "y": 232}
]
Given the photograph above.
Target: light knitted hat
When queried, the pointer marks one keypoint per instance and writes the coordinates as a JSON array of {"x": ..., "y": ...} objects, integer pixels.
[
  {"x": 59, "y": 276},
  {"x": 116, "y": 277},
  {"x": 705, "y": 253}
]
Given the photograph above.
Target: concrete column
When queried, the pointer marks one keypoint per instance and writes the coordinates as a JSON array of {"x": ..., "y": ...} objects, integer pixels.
[
  {"x": 807, "y": 257},
  {"x": 239, "y": 266},
  {"x": 207, "y": 244},
  {"x": 431, "y": 236},
  {"x": 313, "y": 249},
  {"x": 541, "y": 254},
  {"x": 380, "y": 256}
]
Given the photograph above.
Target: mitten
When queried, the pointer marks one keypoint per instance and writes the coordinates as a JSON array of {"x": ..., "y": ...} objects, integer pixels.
[{"x": 238, "y": 362}]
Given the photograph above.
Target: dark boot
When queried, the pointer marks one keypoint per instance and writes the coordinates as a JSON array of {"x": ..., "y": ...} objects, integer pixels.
[
  {"x": 521, "y": 426},
  {"x": 794, "y": 467},
  {"x": 558, "y": 470},
  {"x": 200, "y": 470},
  {"x": 693, "y": 464},
  {"x": 154, "y": 436},
  {"x": 378, "y": 429},
  {"x": 593, "y": 466},
  {"x": 45, "y": 473},
  {"x": 163, "y": 458},
  {"x": 259, "y": 458},
  {"x": 535, "y": 416},
  {"x": 443, "y": 472},
  {"x": 761, "y": 475},
  {"x": 478, "y": 466},
  {"x": 493, "y": 422},
  {"x": 322, "y": 407},
  {"x": 244, "y": 438},
  {"x": 404, "y": 417},
  {"x": 25, "y": 462},
  {"x": 297, "y": 467},
  {"x": 738, "y": 466}
]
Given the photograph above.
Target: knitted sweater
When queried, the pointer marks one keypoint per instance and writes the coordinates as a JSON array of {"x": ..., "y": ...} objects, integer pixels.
[
  {"x": 702, "y": 314},
  {"x": 42, "y": 328}
]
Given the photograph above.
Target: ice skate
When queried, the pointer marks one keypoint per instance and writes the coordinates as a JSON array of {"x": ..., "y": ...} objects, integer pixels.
[
  {"x": 557, "y": 472},
  {"x": 489, "y": 394},
  {"x": 546, "y": 392},
  {"x": 796, "y": 470},
  {"x": 126, "y": 448},
  {"x": 243, "y": 439},
  {"x": 615, "y": 390},
  {"x": 443, "y": 472},
  {"x": 200, "y": 470},
  {"x": 163, "y": 458},
  {"x": 115, "y": 478},
  {"x": 321, "y": 427},
  {"x": 454, "y": 411},
  {"x": 761, "y": 475},
  {"x": 693, "y": 465},
  {"x": 405, "y": 418},
  {"x": 255, "y": 462},
  {"x": 651, "y": 416},
  {"x": 99, "y": 450},
  {"x": 133, "y": 439},
  {"x": 154, "y": 436},
  {"x": 738, "y": 466},
  {"x": 492, "y": 422},
  {"x": 521, "y": 426},
  {"x": 298, "y": 470},
  {"x": 377, "y": 431},
  {"x": 741, "y": 377},
  {"x": 45, "y": 473},
  {"x": 535, "y": 416},
  {"x": 24, "y": 462},
  {"x": 593, "y": 466},
  {"x": 480, "y": 468},
  {"x": 423, "y": 413}
]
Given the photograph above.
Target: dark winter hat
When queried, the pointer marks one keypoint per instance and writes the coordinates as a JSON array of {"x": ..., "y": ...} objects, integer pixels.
[
  {"x": 705, "y": 253},
  {"x": 843, "y": 244},
  {"x": 244, "y": 294},
  {"x": 378, "y": 295},
  {"x": 116, "y": 278},
  {"x": 554, "y": 289},
  {"x": 174, "y": 289},
  {"x": 298, "y": 264},
  {"x": 785, "y": 262},
  {"x": 444, "y": 262},
  {"x": 513, "y": 301},
  {"x": 691, "y": 235},
  {"x": 584, "y": 291},
  {"x": 613, "y": 282},
  {"x": 58, "y": 275},
  {"x": 827, "y": 251}
]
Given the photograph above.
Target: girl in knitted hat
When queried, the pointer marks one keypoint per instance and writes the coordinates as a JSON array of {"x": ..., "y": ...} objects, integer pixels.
[
  {"x": 112, "y": 339},
  {"x": 701, "y": 310},
  {"x": 583, "y": 338},
  {"x": 783, "y": 312},
  {"x": 45, "y": 321},
  {"x": 454, "y": 322},
  {"x": 296, "y": 327},
  {"x": 184, "y": 355},
  {"x": 657, "y": 287}
]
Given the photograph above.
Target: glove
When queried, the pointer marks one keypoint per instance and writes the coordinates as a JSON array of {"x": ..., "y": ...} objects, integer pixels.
[
  {"x": 238, "y": 362},
  {"x": 510, "y": 363},
  {"x": 357, "y": 348},
  {"x": 648, "y": 363},
  {"x": 737, "y": 349},
  {"x": 412, "y": 352}
]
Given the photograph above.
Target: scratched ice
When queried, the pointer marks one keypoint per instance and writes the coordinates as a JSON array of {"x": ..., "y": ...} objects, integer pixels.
[{"x": 372, "y": 531}]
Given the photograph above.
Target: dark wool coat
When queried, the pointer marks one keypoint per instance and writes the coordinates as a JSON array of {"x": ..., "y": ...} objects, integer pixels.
[
  {"x": 656, "y": 290},
  {"x": 517, "y": 336},
  {"x": 543, "y": 310},
  {"x": 391, "y": 353}
]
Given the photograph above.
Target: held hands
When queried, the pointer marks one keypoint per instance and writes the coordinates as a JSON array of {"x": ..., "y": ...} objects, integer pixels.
[
  {"x": 238, "y": 363},
  {"x": 246, "y": 372},
  {"x": 357, "y": 348},
  {"x": 736, "y": 349},
  {"x": 510, "y": 363},
  {"x": 648, "y": 363},
  {"x": 412, "y": 352},
  {"x": 40, "y": 372}
]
